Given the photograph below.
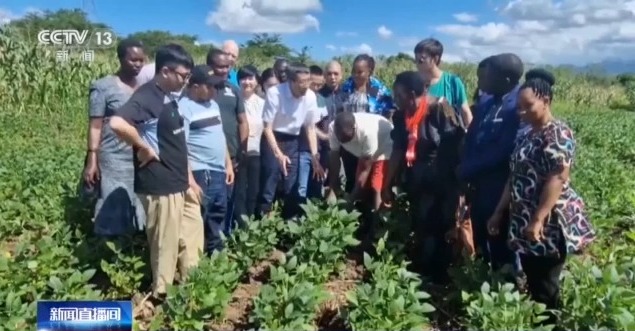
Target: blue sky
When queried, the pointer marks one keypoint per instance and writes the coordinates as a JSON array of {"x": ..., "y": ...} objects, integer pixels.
[{"x": 538, "y": 30}]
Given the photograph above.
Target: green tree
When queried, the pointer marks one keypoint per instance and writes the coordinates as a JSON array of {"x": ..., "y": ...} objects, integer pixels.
[
  {"x": 400, "y": 57},
  {"x": 30, "y": 25},
  {"x": 152, "y": 39},
  {"x": 303, "y": 55},
  {"x": 266, "y": 45}
]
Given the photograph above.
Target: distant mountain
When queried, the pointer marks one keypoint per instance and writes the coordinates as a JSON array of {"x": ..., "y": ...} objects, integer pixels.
[{"x": 608, "y": 67}]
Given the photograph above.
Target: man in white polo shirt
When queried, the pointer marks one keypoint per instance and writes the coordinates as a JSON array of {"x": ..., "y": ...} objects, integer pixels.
[
  {"x": 367, "y": 137},
  {"x": 288, "y": 107}
]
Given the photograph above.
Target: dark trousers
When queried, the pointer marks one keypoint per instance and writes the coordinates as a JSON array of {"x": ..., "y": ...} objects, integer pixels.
[
  {"x": 272, "y": 174},
  {"x": 543, "y": 280},
  {"x": 433, "y": 215},
  {"x": 494, "y": 249},
  {"x": 246, "y": 188},
  {"x": 349, "y": 162},
  {"x": 213, "y": 206}
]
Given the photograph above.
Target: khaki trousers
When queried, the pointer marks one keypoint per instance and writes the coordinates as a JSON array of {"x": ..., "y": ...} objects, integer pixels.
[{"x": 174, "y": 227}]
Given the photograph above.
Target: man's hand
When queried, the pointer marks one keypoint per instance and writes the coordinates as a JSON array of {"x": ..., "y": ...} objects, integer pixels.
[
  {"x": 318, "y": 171},
  {"x": 146, "y": 154},
  {"x": 198, "y": 192},
  {"x": 284, "y": 162},
  {"x": 229, "y": 176},
  {"x": 91, "y": 171}
]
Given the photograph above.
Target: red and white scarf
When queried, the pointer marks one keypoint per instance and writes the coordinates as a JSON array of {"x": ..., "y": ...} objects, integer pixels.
[{"x": 413, "y": 121}]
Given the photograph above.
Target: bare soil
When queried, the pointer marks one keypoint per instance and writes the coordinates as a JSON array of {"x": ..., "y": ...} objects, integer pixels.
[
  {"x": 329, "y": 313},
  {"x": 241, "y": 304},
  {"x": 237, "y": 313}
]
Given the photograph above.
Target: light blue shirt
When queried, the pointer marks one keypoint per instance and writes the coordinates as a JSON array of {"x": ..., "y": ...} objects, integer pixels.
[
  {"x": 233, "y": 77},
  {"x": 206, "y": 143}
]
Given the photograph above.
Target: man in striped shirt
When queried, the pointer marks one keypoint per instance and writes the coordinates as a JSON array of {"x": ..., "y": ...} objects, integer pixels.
[{"x": 207, "y": 151}]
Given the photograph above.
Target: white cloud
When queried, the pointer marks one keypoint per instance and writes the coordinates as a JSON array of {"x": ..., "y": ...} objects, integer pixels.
[
  {"x": 384, "y": 32},
  {"x": 331, "y": 47},
  {"x": 550, "y": 31},
  {"x": 408, "y": 42},
  {"x": 345, "y": 34},
  {"x": 33, "y": 10},
  {"x": 212, "y": 42},
  {"x": 453, "y": 58},
  {"x": 6, "y": 15},
  {"x": 465, "y": 17},
  {"x": 265, "y": 16},
  {"x": 359, "y": 49}
]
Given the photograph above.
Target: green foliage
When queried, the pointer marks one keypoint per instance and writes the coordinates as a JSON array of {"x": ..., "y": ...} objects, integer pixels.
[
  {"x": 392, "y": 301},
  {"x": 205, "y": 294},
  {"x": 125, "y": 270},
  {"x": 154, "y": 38},
  {"x": 256, "y": 241},
  {"x": 321, "y": 238},
  {"x": 600, "y": 298},
  {"x": 47, "y": 250},
  {"x": 289, "y": 302},
  {"x": 32, "y": 23},
  {"x": 503, "y": 309}
]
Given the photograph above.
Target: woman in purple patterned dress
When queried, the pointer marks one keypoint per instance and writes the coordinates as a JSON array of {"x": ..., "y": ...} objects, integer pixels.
[{"x": 548, "y": 220}]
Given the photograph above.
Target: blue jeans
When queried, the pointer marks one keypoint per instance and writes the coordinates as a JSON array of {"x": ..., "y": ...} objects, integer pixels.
[
  {"x": 272, "y": 175},
  {"x": 213, "y": 206},
  {"x": 308, "y": 187}
]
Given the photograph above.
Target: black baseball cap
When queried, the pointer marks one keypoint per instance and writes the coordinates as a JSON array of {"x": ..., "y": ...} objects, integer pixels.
[{"x": 204, "y": 74}]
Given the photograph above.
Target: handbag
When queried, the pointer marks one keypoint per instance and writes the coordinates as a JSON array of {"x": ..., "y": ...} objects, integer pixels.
[{"x": 461, "y": 236}]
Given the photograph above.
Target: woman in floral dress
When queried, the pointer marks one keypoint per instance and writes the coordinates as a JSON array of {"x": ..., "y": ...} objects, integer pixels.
[{"x": 548, "y": 220}]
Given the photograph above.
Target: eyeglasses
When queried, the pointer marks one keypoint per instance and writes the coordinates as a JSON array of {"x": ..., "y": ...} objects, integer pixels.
[
  {"x": 184, "y": 75},
  {"x": 421, "y": 59}
]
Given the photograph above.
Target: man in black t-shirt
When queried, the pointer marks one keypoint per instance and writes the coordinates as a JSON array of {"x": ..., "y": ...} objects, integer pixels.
[
  {"x": 232, "y": 112},
  {"x": 150, "y": 122}
]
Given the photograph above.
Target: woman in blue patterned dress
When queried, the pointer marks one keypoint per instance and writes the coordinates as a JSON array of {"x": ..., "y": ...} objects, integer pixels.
[
  {"x": 548, "y": 220},
  {"x": 108, "y": 167}
]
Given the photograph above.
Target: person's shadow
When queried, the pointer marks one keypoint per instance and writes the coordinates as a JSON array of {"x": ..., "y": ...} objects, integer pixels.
[{"x": 91, "y": 249}]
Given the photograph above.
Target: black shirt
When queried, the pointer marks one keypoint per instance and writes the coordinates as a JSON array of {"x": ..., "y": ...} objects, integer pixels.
[
  {"x": 437, "y": 149},
  {"x": 231, "y": 105},
  {"x": 157, "y": 119}
]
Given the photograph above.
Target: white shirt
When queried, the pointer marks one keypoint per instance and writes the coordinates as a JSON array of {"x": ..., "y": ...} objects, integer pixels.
[
  {"x": 146, "y": 74},
  {"x": 372, "y": 137},
  {"x": 286, "y": 113},
  {"x": 253, "y": 109}
]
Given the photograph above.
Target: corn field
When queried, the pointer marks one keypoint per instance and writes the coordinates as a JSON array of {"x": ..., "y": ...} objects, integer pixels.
[
  {"x": 32, "y": 79},
  {"x": 48, "y": 251}
]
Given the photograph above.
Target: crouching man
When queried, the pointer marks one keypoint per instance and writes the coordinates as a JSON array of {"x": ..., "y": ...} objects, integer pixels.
[{"x": 367, "y": 137}]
